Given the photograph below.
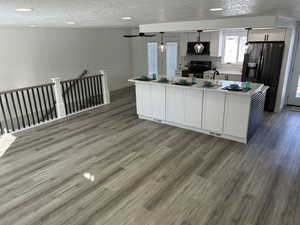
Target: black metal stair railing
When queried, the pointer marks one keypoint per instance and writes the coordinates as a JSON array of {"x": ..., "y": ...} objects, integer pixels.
[
  {"x": 26, "y": 107},
  {"x": 82, "y": 93}
]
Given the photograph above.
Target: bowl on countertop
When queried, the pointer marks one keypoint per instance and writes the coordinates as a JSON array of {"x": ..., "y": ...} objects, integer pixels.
[
  {"x": 144, "y": 78},
  {"x": 163, "y": 80},
  {"x": 208, "y": 84}
]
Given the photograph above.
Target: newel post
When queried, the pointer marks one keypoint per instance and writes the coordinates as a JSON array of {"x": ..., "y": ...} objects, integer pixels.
[
  {"x": 60, "y": 106},
  {"x": 106, "y": 95}
]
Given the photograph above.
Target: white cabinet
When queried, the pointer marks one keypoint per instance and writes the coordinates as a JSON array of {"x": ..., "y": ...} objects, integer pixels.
[
  {"x": 267, "y": 35},
  {"x": 237, "y": 109},
  {"x": 276, "y": 35},
  {"x": 175, "y": 104},
  {"x": 193, "y": 108},
  {"x": 158, "y": 102},
  {"x": 214, "y": 43},
  {"x": 143, "y": 99},
  {"x": 183, "y": 43},
  {"x": 213, "y": 111},
  {"x": 234, "y": 77}
]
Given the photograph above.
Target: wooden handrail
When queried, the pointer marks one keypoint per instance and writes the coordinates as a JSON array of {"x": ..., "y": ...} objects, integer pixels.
[
  {"x": 26, "y": 88},
  {"x": 91, "y": 76}
]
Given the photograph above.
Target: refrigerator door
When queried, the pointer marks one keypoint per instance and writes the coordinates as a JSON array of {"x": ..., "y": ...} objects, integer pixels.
[
  {"x": 271, "y": 61},
  {"x": 252, "y": 61},
  {"x": 271, "y": 98}
]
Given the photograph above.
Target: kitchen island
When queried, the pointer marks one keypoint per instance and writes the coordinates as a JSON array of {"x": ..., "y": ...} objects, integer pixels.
[{"x": 228, "y": 114}]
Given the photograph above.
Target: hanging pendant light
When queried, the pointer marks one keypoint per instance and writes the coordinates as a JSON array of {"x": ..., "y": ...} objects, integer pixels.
[
  {"x": 162, "y": 46},
  {"x": 248, "y": 30},
  {"x": 199, "y": 47}
]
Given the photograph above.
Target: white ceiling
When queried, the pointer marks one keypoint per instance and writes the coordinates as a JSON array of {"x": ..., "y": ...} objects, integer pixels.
[{"x": 107, "y": 13}]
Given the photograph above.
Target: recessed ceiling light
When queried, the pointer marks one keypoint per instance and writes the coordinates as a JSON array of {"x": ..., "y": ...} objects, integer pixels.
[
  {"x": 70, "y": 22},
  {"x": 24, "y": 9},
  {"x": 32, "y": 25},
  {"x": 126, "y": 18},
  {"x": 216, "y": 9}
]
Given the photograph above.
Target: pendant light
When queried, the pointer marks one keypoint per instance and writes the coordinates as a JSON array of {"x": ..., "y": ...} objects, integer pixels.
[
  {"x": 162, "y": 46},
  {"x": 248, "y": 30},
  {"x": 199, "y": 47}
]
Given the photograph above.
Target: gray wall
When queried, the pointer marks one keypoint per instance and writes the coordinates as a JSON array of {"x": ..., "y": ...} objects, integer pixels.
[{"x": 30, "y": 56}]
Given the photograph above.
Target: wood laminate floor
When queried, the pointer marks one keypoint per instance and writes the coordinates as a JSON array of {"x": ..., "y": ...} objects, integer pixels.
[{"x": 106, "y": 166}]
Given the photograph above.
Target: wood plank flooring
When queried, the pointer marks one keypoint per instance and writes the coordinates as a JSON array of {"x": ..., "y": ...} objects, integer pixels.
[{"x": 105, "y": 166}]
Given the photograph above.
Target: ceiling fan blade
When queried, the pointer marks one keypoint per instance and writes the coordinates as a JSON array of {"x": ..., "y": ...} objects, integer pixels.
[
  {"x": 130, "y": 36},
  {"x": 149, "y": 35}
]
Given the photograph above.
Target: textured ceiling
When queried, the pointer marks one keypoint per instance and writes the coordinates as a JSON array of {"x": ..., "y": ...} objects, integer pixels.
[{"x": 107, "y": 13}]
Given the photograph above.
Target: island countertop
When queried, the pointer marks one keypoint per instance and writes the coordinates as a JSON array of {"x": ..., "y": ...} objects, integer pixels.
[{"x": 219, "y": 86}]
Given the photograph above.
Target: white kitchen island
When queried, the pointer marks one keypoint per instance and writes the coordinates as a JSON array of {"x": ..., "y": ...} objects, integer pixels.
[{"x": 214, "y": 111}]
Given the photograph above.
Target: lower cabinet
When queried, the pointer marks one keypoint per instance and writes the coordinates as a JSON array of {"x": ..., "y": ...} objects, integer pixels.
[
  {"x": 213, "y": 111},
  {"x": 219, "y": 113},
  {"x": 151, "y": 101},
  {"x": 193, "y": 108},
  {"x": 143, "y": 99},
  {"x": 184, "y": 106},
  {"x": 237, "y": 110},
  {"x": 175, "y": 102},
  {"x": 158, "y": 102}
]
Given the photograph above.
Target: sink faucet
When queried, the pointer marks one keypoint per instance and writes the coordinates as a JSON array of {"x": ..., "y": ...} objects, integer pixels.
[{"x": 216, "y": 72}]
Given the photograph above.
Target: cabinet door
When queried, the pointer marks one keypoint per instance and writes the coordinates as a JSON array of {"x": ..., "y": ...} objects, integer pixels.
[
  {"x": 213, "y": 111},
  {"x": 205, "y": 36},
  {"x": 234, "y": 77},
  {"x": 220, "y": 77},
  {"x": 257, "y": 35},
  {"x": 276, "y": 35},
  {"x": 236, "y": 115},
  {"x": 193, "y": 108},
  {"x": 183, "y": 44},
  {"x": 158, "y": 102},
  {"x": 214, "y": 43},
  {"x": 175, "y": 104},
  {"x": 192, "y": 36},
  {"x": 143, "y": 99}
]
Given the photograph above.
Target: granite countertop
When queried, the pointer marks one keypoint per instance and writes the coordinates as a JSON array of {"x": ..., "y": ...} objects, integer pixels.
[
  {"x": 230, "y": 72},
  {"x": 219, "y": 85}
]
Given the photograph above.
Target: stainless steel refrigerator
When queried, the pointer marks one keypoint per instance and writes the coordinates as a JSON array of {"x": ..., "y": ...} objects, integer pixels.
[{"x": 262, "y": 64}]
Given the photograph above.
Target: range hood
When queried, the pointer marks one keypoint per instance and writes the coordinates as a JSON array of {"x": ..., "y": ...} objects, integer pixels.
[{"x": 191, "y": 50}]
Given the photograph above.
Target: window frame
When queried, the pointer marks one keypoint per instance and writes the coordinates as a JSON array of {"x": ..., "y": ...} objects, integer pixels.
[
  {"x": 157, "y": 56},
  {"x": 165, "y": 56},
  {"x": 239, "y": 33}
]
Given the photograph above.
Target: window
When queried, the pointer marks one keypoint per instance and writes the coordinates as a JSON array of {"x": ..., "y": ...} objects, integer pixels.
[
  {"x": 171, "y": 58},
  {"x": 234, "y": 46},
  {"x": 152, "y": 58}
]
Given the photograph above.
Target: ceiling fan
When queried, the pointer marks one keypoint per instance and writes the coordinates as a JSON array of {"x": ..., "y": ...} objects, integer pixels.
[{"x": 138, "y": 35}]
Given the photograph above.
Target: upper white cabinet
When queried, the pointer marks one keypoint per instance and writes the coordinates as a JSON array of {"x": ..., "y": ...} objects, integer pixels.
[
  {"x": 213, "y": 111},
  {"x": 276, "y": 35},
  {"x": 193, "y": 108},
  {"x": 237, "y": 109},
  {"x": 175, "y": 102},
  {"x": 267, "y": 35},
  {"x": 214, "y": 43},
  {"x": 183, "y": 43},
  {"x": 143, "y": 99}
]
